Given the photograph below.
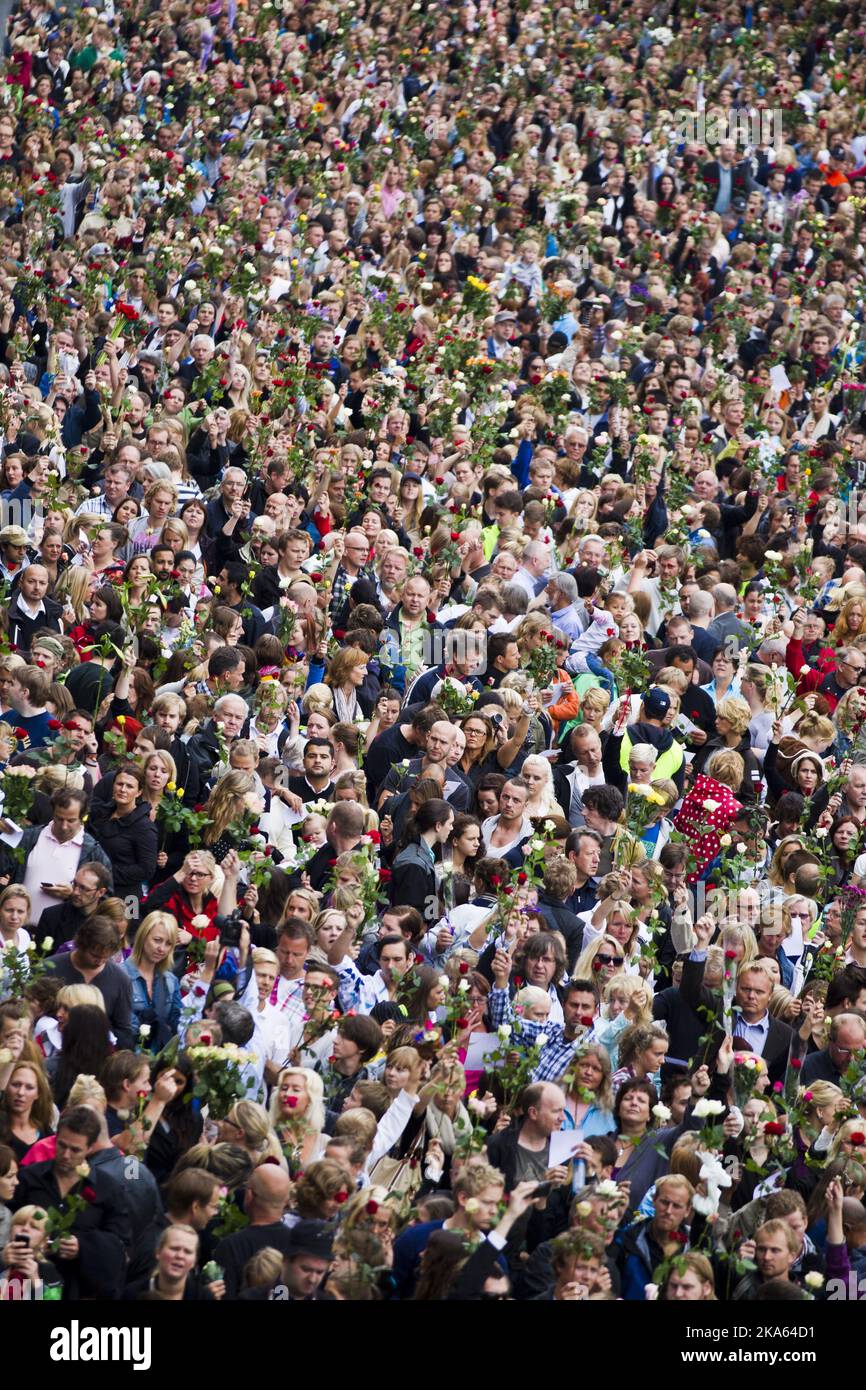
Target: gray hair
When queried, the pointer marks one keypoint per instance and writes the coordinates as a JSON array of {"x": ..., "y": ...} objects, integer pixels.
[
  {"x": 644, "y": 753},
  {"x": 566, "y": 584},
  {"x": 724, "y": 596}
]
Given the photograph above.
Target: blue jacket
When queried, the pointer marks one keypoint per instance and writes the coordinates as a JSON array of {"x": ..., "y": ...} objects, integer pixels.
[{"x": 161, "y": 1012}]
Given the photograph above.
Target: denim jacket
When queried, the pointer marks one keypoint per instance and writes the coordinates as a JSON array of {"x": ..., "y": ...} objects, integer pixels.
[{"x": 162, "y": 1012}]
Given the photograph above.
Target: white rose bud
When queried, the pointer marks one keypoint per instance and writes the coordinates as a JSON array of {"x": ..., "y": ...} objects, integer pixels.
[
  {"x": 144, "y": 1032},
  {"x": 48, "y": 945},
  {"x": 504, "y": 1031},
  {"x": 814, "y": 1279}
]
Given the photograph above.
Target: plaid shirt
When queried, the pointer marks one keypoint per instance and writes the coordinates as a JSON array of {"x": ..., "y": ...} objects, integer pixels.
[
  {"x": 343, "y": 583},
  {"x": 558, "y": 1051}
]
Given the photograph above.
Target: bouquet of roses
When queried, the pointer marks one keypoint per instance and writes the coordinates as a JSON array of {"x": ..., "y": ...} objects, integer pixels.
[
  {"x": 16, "y": 788},
  {"x": 219, "y": 1076}
]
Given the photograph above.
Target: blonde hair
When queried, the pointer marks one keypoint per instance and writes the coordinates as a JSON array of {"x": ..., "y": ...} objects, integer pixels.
[
  {"x": 630, "y": 985},
  {"x": 150, "y": 924},
  {"x": 70, "y": 996},
  {"x": 86, "y": 1090}
]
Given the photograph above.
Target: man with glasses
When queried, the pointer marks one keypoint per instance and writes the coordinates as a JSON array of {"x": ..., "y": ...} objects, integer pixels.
[
  {"x": 850, "y": 669},
  {"x": 89, "y": 886},
  {"x": 847, "y": 1040},
  {"x": 353, "y": 565}
]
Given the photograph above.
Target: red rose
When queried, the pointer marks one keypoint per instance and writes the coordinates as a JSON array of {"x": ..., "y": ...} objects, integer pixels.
[
  {"x": 385, "y": 875},
  {"x": 371, "y": 1208},
  {"x": 858, "y": 1137},
  {"x": 291, "y": 1102},
  {"x": 268, "y": 851},
  {"x": 341, "y": 1197},
  {"x": 586, "y": 1020},
  {"x": 417, "y": 551},
  {"x": 21, "y": 733},
  {"x": 796, "y": 1063},
  {"x": 205, "y": 1039},
  {"x": 54, "y": 724},
  {"x": 374, "y": 836},
  {"x": 495, "y": 880},
  {"x": 730, "y": 955},
  {"x": 521, "y": 877},
  {"x": 254, "y": 830},
  {"x": 331, "y": 863},
  {"x": 462, "y": 1023},
  {"x": 70, "y": 725},
  {"x": 88, "y": 1194},
  {"x": 455, "y": 535},
  {"x": 316, "y": 578},
  {"x": 142, "y": 1095},
  {"x": 774, "y": 1127}
]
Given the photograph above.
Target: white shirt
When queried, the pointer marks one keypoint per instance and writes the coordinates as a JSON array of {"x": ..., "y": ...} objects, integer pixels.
[{"x": 490, "y": 825}]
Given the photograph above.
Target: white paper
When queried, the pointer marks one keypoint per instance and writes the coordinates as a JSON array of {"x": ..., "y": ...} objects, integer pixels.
[
  {"x": 277, "y": 287},
  {"x": 563, "y": 1143},
  {"x": 684, "y": 724},
  {"x": 779, "y": 379},
  {"x": 480, "y": 1047}
]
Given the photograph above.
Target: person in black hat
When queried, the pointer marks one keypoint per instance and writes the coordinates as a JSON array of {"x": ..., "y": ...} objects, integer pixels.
[
  {"x": 307, "y": 1259},
  {"x": 648, "y": 729}
]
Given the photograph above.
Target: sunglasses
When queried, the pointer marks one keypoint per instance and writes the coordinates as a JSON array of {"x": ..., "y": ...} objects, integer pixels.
[{"x": 610, "y": 960}]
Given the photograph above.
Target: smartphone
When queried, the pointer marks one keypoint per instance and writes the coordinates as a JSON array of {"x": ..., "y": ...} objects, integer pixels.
[
  {"x": 22, "y": 1239},
  {"x": 543, "y": 1189}
]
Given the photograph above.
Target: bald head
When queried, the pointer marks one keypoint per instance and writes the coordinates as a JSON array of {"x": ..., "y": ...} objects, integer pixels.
[{"x": 267, "y": 1194}]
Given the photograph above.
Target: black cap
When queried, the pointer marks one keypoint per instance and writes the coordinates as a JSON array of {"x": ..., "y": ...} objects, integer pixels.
[{"x": 311, "y": 1238}]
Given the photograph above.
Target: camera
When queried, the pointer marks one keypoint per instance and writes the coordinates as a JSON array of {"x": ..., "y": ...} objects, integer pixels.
[{"x": 230, "y": 928}]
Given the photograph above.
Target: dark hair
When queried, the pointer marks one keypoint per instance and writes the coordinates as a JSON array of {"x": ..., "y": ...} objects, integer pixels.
[
  {"x": 111, "y": 598},
  {"x": 364, "y": 1032},
  {"x": 846, "y": 985},
  {"x": 119, "y": 1067},
  {"x": 81, "y": 1120},
  {"x": 444, "y": 1255},
  {"x": 86, "y": 1047},
  {"x": 430, "y": 813},
  {"x": 236, "y": 1022},
  {"x": 222, "y": 660},
  {"x": 634, "y": 1084},
  {"x": 607, "y": 801},
  {"x": 497, "y": 646},
  {"x": 583, "y": 987}
]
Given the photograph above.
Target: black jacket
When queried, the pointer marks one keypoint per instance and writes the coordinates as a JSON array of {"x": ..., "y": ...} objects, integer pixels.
[
  {"x": 22, "y": 627},
  {"x": 102, "y": 1229},
  {"x": 131, "y": 844},
  {"x": 695, "y": 993}
]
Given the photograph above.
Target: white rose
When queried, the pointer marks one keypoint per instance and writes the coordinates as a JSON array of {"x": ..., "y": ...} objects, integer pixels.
[
  {"x": 472, "y": 1205},
  {"x": 83, "y": 1170},
  {"x": 661, "y": 1112},
  {"x": 536, "y": 846},
  {"x": 741, "y": 848},
  {"x": 804, "y": 670},
  {"x": 814, "y": 1279},
  {"x": 444, "y": 981},
  {"x": 606, "y": 1188},
  {"x": 650, "y": 1292},
  {"x": 541, "y": 1040},
  {"x": 144, "y": 1031},
  {"x": 712, "y": 805},
  {"x": 504, "y": 1031},
  {"x": 821, "y": 831},
  {"x": 706, "y": 1107},
  {"x": 549, "y": 826},
  {"x": 48, "y": 945},
  {"x": 463, "y": 987},
  {"x": 772, "y": 555},
  {"x": 724, "y": 840},
  {"x": 200, "y": 922}
]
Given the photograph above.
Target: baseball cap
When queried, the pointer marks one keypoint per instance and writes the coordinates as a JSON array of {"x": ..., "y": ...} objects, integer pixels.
[
  {"x": 656, "y": 703},
  {"x": 505, "y": 316},
  {"x": 838, "y": 152}
]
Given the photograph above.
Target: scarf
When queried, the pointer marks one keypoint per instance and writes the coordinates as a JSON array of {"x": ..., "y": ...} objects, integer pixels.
[{"x": 440, "y": 1126}]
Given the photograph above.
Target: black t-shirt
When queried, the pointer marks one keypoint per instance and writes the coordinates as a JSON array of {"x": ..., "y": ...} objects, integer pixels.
[{"x": 234, "y": 1251}]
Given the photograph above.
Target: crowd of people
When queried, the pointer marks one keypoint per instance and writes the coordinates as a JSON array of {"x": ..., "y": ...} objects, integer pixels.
[{"x": 432, "y": 652}]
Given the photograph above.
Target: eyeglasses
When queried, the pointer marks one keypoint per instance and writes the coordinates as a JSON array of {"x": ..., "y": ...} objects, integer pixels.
[{"x": 610, "y": 960}]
